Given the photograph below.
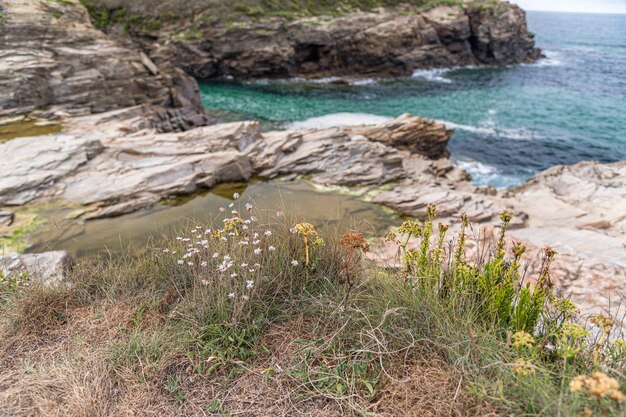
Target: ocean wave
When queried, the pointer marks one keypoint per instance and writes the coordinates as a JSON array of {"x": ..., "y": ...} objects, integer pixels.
[
  {"x": 337, "y": 120},
  {"x": 435, "y": 74},
  {"x": 483, "y": 174},
  {"x": 489, "y": 129},
  {"x": 552, "y": 59}
]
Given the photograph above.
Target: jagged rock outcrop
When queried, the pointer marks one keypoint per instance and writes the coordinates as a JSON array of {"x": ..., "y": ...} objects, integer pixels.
[
  {"x": 383, "y": 43},
  {"x": 52, "y": 59},
  {"x": 113, "y": 164}
]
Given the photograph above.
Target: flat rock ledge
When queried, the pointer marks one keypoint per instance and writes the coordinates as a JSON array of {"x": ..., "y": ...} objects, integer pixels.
[
  {"x": 49, "y": 268},
  {"x": 109, "y": 163}
]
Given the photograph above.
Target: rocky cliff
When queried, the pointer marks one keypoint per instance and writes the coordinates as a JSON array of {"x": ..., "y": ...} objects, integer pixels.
[
  {"x": 387, "y": 42},
  {"x": 53, "y": 60}
]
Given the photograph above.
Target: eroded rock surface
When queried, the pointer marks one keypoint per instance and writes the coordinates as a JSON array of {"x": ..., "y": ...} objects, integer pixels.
[
  {"x": 113, "y": 164},
  {"x": 383, "y": 43},
  {"x": 52, "y": 59}
]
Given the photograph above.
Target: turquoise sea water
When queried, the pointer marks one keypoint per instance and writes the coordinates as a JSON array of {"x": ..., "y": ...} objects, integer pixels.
[{"x": 510, "y": 123}]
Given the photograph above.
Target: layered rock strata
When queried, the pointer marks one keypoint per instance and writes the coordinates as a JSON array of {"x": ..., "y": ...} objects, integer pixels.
[
  {"x": 52, "y": 60},
  {"x": 388, "y": 42}
]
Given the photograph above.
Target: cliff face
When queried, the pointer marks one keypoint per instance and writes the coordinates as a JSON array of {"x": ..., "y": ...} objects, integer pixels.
[
  {"x": 52, "y": 59},
  {"x": 386, "y": 43}
]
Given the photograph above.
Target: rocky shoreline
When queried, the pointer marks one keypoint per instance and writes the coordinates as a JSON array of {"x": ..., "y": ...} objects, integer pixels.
[{"x": 134, "y": 131}]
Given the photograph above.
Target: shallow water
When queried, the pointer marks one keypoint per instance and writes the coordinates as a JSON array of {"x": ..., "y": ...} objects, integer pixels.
[
  {"x": 25, "y": 128},
  {"x": 510, "y": 122},
  {"x": 113, "y": 235}
]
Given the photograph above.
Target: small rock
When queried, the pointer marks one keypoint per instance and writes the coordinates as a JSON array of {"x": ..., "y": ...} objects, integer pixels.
[
  {"x": 47, "y": 267},
  {"x": 6, "y": 218}
]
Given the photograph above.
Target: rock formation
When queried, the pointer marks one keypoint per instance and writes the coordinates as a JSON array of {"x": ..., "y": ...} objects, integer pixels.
[
  {"x": 112, "y": 164},
  {"x": 53, "y": 60},
  {"x": 383, "y": 43},
  {"x": 48, "y": 268}
]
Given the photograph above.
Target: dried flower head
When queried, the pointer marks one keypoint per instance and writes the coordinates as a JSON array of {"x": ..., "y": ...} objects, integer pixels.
[
  {"x": 354, "y": 240},
  {"x": 604, "y": 321},
  {"x": 391, "y": 237},
  {"x": 598, "y": 385}
]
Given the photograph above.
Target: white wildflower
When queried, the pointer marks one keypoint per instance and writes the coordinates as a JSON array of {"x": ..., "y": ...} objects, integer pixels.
[
  {"x": 271, "y": 248},
  {"x": 222, "y": 209},
  {"x": 204, "y": 263},
  {"x": 280, "y": 213},
  {"x": 294, "y": 263},
  {"x": 216, "y": 255},
  {"x": 233, "y": 275},
  {"x": 231, "y": 295},
  {"x": 268, "y": 233},
  {"x": 256, "y": 242},
  {"x": 257, "y": 251},
  {"x": 244, "y": 265},
  {"x": 166, "y": 251},
  {"x": 180, "y": 262},
  {"x": 205, "y": 282},
  {"x": 248, "y": 206},
  {"x": 190, "y": 263},
  {"x": 249, "y": 284},
  {"x": 236, "y": 196}
]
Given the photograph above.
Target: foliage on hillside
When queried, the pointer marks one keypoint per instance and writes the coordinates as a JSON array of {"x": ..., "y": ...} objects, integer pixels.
[
  {"x": 151, "y": 15},
  {"x": 262, "y": 314}
]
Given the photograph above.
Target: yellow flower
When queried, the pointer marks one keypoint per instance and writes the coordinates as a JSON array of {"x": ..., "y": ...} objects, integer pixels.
[
  {"x": 232, "y": 224},
  {"x": 305, "y": 229},
  {"x": 410, "y": 227},
  {"x": 574, "y": 330},
  {"x": 523, "y": 367},
  {"x": 523, "y": 339}
]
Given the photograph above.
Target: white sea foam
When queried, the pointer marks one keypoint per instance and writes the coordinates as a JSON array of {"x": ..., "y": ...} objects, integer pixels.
[
  {"x": 337, "y": 120},
  {"x": 483, "y": 174},
  {"x": 552, "y": 59},
  {"x": 489, "y": 128},
  {"x": 436, "y": 74}
]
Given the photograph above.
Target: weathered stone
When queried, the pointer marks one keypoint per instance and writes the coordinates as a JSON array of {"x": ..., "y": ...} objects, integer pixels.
[
  {"x": 47, "y": 267},
  {"x": 52, "y": 58},
  {"x": 383, "y": 43},
  {"x": 112, "y": 162}
]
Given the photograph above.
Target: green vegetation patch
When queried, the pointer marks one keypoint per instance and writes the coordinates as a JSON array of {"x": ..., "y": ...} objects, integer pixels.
[{"x": 259, "y": 312}]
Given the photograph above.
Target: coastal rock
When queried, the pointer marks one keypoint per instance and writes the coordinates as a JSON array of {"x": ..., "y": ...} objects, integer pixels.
[
  {"x": 384, "y": 43},
  {"x": 52, "y": 59},
  {"x": 115, "y": 165},
  {"x": 47, "y": 267}
]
